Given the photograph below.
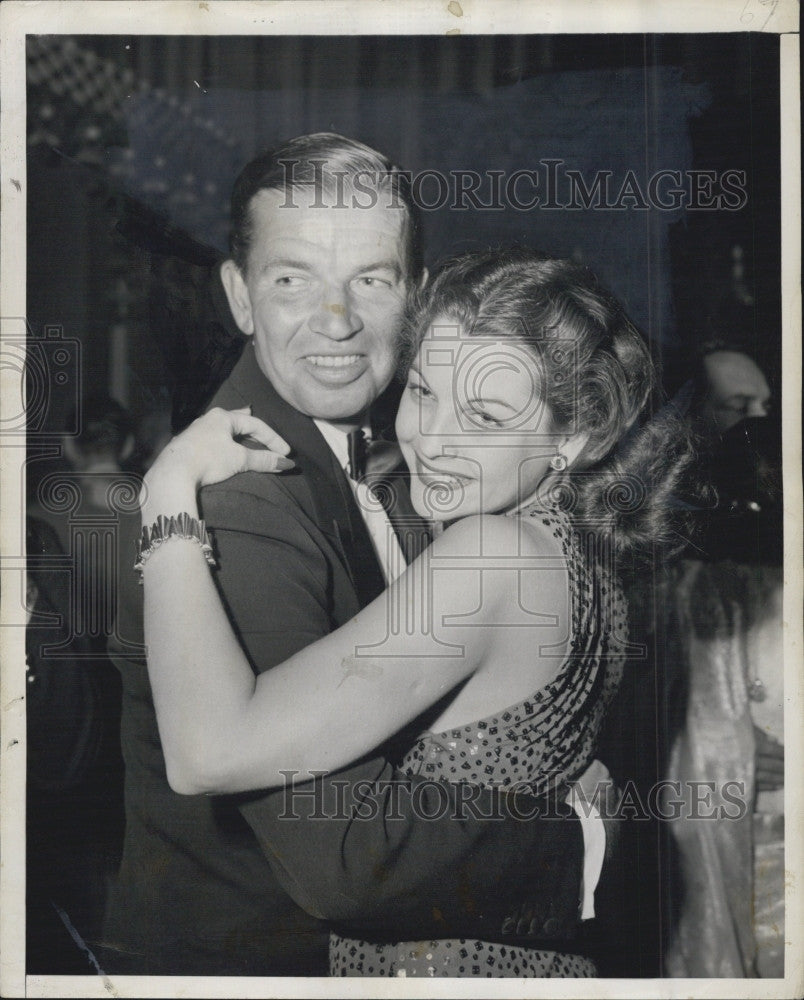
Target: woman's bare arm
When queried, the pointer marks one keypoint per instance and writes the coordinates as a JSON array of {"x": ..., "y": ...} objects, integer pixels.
[{"x": 225, "y": 730}]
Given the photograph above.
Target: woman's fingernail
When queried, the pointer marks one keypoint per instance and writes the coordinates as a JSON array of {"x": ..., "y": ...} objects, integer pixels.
[{"x": 283, "y": 464}]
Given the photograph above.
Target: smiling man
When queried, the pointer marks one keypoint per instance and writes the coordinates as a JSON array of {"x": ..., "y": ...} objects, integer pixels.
[
  {"x": 218, "y": 886},
  {"x": 322, "y": 291}
]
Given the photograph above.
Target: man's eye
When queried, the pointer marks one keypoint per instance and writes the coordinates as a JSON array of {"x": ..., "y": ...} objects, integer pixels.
[
  {"x": 372, "y": 281},
  {"x": 290, "y": 280}
]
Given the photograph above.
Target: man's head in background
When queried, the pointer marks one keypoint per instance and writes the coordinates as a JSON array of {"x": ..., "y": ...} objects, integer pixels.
[
  {"x": 105, "y": 439},
  {"x": 732, "y": 388},
  {"x": 324, "y": 251}
]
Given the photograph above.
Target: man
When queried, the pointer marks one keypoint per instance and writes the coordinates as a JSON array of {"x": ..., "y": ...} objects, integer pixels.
[
  {"x": 732, "y": 387},
  {"x": 322, "y": 263}
]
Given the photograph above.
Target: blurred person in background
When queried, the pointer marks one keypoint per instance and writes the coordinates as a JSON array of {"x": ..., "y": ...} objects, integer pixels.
[
  {"x": 727, "y": 400},
  {"x": 723, "y": 677},
  {"x": 727, "y": 610},
  {"x": 732, "y": 388},
  {"x": 65, "y": 791},
  {"x": 75, "y": 768}
]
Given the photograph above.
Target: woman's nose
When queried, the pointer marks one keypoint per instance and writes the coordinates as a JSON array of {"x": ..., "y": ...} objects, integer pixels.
[
  {"x": 335, "y": 316},
  {"x": 439, "y": 430}
]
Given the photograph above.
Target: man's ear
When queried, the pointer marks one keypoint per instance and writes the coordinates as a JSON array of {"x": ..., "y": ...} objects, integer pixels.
[
  {"x": 128, "y": 448},
  {"x": 237, "y": 294}
]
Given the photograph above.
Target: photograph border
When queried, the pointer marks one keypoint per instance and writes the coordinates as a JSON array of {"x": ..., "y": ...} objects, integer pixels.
[{"x": 393, "y": 17}]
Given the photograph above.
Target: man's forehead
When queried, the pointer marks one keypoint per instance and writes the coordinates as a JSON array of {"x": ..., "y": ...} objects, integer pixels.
[
  {"x": 730, "y": 371},
  {"x": 305, "y": 213}
]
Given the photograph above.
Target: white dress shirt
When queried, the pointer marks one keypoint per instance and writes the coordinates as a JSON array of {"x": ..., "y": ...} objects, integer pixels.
[{"x": 383, "y": 537}]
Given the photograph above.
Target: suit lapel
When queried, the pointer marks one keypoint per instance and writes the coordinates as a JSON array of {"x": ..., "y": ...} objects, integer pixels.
[{"x": 319, "y": 484}]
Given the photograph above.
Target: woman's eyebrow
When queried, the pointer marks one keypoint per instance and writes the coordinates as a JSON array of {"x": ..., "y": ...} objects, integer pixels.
[{"x": 486, "y": 401}]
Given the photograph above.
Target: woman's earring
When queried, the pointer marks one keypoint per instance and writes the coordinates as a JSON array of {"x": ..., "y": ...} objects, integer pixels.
[{"x": 558, "y": 462}]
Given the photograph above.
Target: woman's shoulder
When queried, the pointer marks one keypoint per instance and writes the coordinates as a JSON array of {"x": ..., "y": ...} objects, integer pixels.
[{"x": 533, "y": 532}]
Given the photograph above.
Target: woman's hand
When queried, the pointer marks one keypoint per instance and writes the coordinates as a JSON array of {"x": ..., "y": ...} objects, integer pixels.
[{"x": 207, "y": 452}]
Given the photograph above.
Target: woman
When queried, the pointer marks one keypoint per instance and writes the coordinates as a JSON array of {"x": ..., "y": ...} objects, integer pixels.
[{"x": 522, "y": 368}]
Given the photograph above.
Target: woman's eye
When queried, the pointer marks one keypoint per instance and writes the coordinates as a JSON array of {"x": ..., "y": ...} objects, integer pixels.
[
  {"x": 481, "y": 417},
  {"x": 418, "y": 390}
]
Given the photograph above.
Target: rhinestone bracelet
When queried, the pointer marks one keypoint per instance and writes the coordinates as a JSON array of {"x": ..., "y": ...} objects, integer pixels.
[{"x": 164, "y": 527}]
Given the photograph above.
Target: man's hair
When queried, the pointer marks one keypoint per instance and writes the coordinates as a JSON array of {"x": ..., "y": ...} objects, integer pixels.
[
  {"x": 328, "y": 164},
  {"x": 105, "y": 427}
]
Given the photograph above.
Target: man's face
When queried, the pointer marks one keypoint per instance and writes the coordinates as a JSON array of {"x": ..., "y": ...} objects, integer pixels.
[
  {"x": 736, "y": 389},
  {"x": 323, "y": 296}
]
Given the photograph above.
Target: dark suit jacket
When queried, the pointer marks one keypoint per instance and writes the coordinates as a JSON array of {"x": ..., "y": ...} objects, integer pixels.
[{"x": 196, "y": 894}]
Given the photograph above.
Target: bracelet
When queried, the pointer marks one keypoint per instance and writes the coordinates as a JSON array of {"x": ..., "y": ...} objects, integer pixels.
[{"x": 164, "y": 527}]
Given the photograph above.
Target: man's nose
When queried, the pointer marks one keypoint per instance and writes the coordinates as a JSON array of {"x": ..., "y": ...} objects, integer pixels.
[
  {"x": 335, "y": 317},
  {"x": 757, "y": 408}
]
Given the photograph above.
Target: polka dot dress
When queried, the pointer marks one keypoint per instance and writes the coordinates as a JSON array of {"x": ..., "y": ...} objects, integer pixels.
[
  {"x": 546, "y": 740},
  {"x": 457, "y": 958}
]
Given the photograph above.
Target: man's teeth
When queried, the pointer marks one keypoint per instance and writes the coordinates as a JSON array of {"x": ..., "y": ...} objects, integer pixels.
[{"x": 333, "y": 361}]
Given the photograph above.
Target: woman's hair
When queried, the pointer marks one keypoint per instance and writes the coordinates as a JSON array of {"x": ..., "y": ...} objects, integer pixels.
[{"x": 597, "y": 374}]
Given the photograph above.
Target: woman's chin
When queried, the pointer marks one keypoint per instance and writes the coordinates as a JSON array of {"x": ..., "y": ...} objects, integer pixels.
[
  {"x": 444, "y": 502},
  {"x": 425, "y": 512},
  {"x": 441, "y": 514}
]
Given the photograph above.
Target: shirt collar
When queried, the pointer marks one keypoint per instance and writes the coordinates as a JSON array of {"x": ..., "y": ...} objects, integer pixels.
[{"x": 337, "y": 440}]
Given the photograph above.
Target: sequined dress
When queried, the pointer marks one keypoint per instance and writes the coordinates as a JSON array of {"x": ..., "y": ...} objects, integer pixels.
[{"x": 544, "y": 740}]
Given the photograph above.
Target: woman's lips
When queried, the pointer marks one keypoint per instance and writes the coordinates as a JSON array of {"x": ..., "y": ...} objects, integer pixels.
[{"x": 430, "y": 476}]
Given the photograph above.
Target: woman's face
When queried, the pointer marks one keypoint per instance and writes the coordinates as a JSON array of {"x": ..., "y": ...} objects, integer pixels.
[{"x": 475, "y": 431}]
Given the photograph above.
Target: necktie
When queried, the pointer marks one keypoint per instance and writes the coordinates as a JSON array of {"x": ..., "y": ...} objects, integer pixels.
[
  {"x": 379, "y": 465},
  {"x": 371, "y": 460}
]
